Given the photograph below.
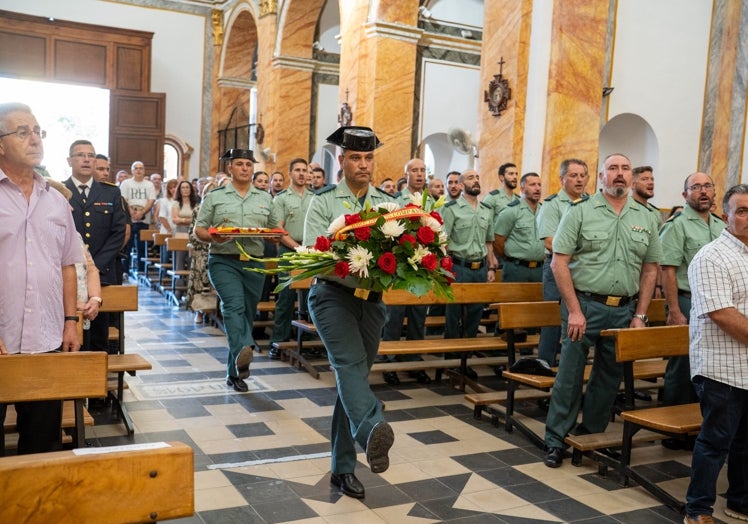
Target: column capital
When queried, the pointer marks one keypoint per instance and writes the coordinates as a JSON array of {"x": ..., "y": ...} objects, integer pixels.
[
  {"x": 305, "y": 64},
  {"x": 404, "y": 33}
]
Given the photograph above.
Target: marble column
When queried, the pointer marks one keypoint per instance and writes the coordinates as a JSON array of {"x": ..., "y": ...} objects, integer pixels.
[
  {"x": 575, "y": 83},
  {"x": 724, "y": 121}
]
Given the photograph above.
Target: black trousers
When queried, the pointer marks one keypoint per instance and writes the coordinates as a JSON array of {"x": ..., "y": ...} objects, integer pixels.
[{"x": 38, "y": 426}]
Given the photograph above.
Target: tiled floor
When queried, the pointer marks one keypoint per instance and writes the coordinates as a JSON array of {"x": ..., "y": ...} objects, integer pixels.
[{"x": 263, "y": 456}]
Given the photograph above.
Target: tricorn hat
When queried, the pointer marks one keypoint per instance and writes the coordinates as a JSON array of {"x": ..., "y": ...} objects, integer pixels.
[
  {"x": 355, "y": 138},
  {"x": 231, "y": 154}
]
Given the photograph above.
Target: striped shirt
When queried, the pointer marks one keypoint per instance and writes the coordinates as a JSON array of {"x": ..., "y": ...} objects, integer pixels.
[{"x": 718, "y": 276}]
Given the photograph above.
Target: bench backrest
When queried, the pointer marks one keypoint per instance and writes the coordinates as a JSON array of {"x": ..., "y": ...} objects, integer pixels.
[
  {"x": 650, "y": 342},
  {"x": 524, "y": 315},
  {"x": 146, "y": 235},
  {"x": 176, "y": 243},
  {"x": 159, "y": 239},
  {"x": 472, "y": 293},
  {"x": 119, "y": 298},
  {"x": 53, "y": 376}
]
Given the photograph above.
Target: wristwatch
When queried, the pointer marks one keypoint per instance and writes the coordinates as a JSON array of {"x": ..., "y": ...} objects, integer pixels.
[
  {"x": 97, "y": 299},
  {"x": 643, "y": 318}
]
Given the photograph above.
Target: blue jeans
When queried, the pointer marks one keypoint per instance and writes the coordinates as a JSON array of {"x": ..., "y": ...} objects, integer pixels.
[{"x": 724, "y": 434}]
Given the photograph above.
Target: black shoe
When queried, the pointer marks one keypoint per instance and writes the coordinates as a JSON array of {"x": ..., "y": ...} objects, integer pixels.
[
  {"x": 554, "y": 457},
  {"x": 238, "y": 384},
  {"x": 675, "y": 444},
  {"x": 420, "y": 376},
  {"x": 544, "y": 403},
  {"x": 378, "y": 446},
  {"x": 391, "y": 378},
  {"x": 274, "y": 353},
  {"x": 348, "y": 484},
  {"x": 243, "y": 360},
  {"x": 610, "y": 452}
]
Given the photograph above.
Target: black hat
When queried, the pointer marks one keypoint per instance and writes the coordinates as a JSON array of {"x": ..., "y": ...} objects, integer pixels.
[
  {"x": 355, "y": 138},
  {"x": 231, "y": 154}
]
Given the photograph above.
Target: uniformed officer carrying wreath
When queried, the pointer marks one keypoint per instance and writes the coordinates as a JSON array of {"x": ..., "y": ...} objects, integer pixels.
[
  {"x": 238, "y": 204},
  {"x": 605, "y": 261},
  {"x": 349, "y": 320}
]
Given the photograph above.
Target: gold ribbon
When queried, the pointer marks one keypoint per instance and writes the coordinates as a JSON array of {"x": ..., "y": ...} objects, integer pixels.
[{"x": 406, "y": 212}]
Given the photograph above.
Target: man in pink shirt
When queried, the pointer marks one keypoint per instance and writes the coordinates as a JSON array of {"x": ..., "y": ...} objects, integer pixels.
[{"x": 39, "y": 246}]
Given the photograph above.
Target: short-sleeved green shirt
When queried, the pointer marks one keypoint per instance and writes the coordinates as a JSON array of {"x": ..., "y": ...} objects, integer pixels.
[
  {"x": 607, "y": 250},
  {"x": 516, "y": 223},
  {"x": 497, "y": 200},
  {"x": 682, "y": 236},
  {"x": 290, "y": 210},
  {"x": 225, "y": 207},
  {"x": 467, "y": 229},
  {"x": 549, "y": 215}
]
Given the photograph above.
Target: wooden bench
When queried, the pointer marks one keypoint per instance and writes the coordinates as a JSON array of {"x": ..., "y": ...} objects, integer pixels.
[
  {"x": 67, "y": 376},
  {"x": 159, "y": 241},
  {"x": 138, "y": 483},
  {"x": 68, "y": 422},
  {"x": 118, "y": 299},
  {"x": 121, "y": 364},
  {"x": 146, "y": 236},
  {"x": 178, "y": 276},
  {"x": 530, "y": 315},
  {"x": 680, "y": 421}
]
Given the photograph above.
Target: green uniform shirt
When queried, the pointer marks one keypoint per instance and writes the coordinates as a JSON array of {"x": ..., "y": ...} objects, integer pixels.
[
  {"x": 652, "y": 209},
  {"x": 516, "y": 223},
  {"x": 467, "y": 229},
  {"x": 225, "y": 207},
  {"x": 607, "y": 250},
  {"x": 290, "y": 209},
  {"x": 682, "y": 236},
  {"x": 497, "y": 200},
  {"x": 549, "y": 215}
]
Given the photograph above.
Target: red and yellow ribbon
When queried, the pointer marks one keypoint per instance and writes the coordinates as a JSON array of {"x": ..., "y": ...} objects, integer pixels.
[{"x": 406, "y": 212}]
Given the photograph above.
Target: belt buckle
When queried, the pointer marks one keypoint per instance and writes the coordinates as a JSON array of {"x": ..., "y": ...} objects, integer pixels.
[
  {"x": 361, "y": 293},
  {"x": 244, "y": 258},
  {"x": 532, "y": 263},
  {"x": 613, "y": 301},
  {"x": 475, "y": 265}
]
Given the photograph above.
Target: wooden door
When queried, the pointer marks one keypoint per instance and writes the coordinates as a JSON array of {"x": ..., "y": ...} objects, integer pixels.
[{"x": 136, "y": 130}]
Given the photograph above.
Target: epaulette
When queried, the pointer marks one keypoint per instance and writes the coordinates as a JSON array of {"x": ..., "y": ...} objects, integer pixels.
[
  {"x": 217, "y": 189},
  {"x": 385, "y": 192},
  {"x": 494, "y": 192},
  {"x": 675, "y": 215},
  {"x": 513, "y": 203},
  {"x": 715, "y": 215},
  {"x": 325, "y": 189},
  {"x": 108, "y": 183},
  {"x": 453, "y": 202},
  {"x": 653, "y": 207},
  {"x": 486, "y": 205},
  {"x": 580, "y": 199},
  {"x": 550, "y": 197},
  {"x": 645, "y": 205}
]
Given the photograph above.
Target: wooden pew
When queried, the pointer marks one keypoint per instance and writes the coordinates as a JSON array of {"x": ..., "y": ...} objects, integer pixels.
[
  {"x": 67, "y": 376},
  {"x": 118, "y": 299},
  {"x": 159, "y": 241},
  {"x": 134, "y": 484},
  {"x": 178, "y": 276},
  {"x": 146, "y": 236}
]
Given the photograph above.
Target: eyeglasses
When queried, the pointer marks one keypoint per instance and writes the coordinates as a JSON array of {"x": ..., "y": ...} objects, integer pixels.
[
  {"x": 698, "y": 187},
  {"x": 23, "y": 132},
  {"x": 83, "y": 155}
]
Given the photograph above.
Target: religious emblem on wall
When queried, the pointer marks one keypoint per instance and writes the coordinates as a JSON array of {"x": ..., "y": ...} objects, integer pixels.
[
  {"x": 498, "y": 93},
  {"x": 345, "y": 117}
]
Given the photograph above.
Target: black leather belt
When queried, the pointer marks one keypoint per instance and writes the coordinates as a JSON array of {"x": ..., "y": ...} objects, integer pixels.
[
  {"x": 684, "y": 293},
  {"x": 526, "y": 263},
  {"x": 241, "y": 258},
  {"x": 608, "y": 300},
  {"x": 471, "y": 264},
  {"x": 363, "y": 294}
]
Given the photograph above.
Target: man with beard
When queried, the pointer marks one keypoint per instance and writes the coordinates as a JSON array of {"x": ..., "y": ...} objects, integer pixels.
[
  {"x": 468, "y": 225},
  {"x": 436, "y": 188},
  {"x": 574, "y": 178},
  {"x": 643, "y": 188},
  {"x": 682, "y": 236},
  {"x": 516, "y": 237},
  {"x": 605, "y": 261},
  {"x": 499, "y": 198},
  {"x": 454, "y": 188}
]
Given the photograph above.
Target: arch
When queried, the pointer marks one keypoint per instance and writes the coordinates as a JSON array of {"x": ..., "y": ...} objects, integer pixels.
[
  {"x": 445, "y": 157},
  {"x": 631, "y": 135},
  {"x": 240, "y": 45},
  {"x": 295, "y": 32},
  {"x": 184, "y": 153}
]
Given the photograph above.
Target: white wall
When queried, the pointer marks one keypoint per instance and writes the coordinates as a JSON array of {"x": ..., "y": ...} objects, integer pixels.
[
  {"x": 176, "y": 58},
  {"x": 659, "y": 73}
]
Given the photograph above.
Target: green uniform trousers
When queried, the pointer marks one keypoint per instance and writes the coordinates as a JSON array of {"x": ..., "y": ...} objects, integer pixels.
[{"x": 678, "y": 388}]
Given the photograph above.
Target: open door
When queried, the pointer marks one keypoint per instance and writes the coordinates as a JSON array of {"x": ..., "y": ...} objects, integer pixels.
[{"x": 137, "y": 124}]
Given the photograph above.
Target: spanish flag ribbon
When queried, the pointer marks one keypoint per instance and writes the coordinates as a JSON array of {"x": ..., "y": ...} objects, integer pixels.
[{"x": 406, "y": 212}]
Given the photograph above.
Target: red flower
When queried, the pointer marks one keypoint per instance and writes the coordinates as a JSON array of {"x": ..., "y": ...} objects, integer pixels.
[
  {"x": 322, "y": 244},
  {"x": 387, "y": 263},
  {"x": 446, "y": 263},
  {"x": 352, "y": 219},
  {"x": 429, "y": 261},
  {"x": 436, "y": 216},
  {"x": 425, "y": 235},
  {"x": 407, "y": 238},
  {"x": 362, "y": 233},
  {"x": 342, "y": 269}
]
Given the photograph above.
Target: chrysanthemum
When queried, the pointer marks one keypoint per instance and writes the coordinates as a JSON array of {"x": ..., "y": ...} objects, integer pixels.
[
  {"x": 359, "y": 257},
  {"x": 416, "y": 198},
  {"x": 392, "y": 228},
  {"x": 389, "y": 206},
  {"x": 335, "y": 225},
  {"x": 431, "y": 223}
]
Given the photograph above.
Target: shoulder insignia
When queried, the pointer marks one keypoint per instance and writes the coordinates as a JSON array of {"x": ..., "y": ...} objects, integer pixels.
[
  {"x": 325, "y": 189},
  {"x": 453, "y": 202},
  {"x": 514, "y": 202},
  {"x": 550, "y": 197},
  {"x": 487, "y": 206},
  {"x": 108, "y": 183},
  {"x": 494, "y": 192},
  {"x": 579, "y": 200},
  {"x": 675, "y": 215}
]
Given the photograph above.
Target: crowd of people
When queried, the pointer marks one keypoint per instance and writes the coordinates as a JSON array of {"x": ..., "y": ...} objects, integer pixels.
[{"x": 603, "y": 254}]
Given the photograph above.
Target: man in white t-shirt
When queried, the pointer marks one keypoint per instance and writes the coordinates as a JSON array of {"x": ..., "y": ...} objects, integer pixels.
[{"x": 140, "y": 195}]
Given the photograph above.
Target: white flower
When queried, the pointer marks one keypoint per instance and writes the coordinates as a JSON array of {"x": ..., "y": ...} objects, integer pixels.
[
  {"x": 336, "y": 224},
  {"x": 431, "y": 222},
  {"x": 392, "y": 228},
  {"x": 389, "y": 206},
  {"x": 306, "y": 249},
  {"x": 416, "y": 198},
  {"x": 443, "y": 237},
  {"x": 418, "y": 254},
  {"x": 359, "y": 258}
]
